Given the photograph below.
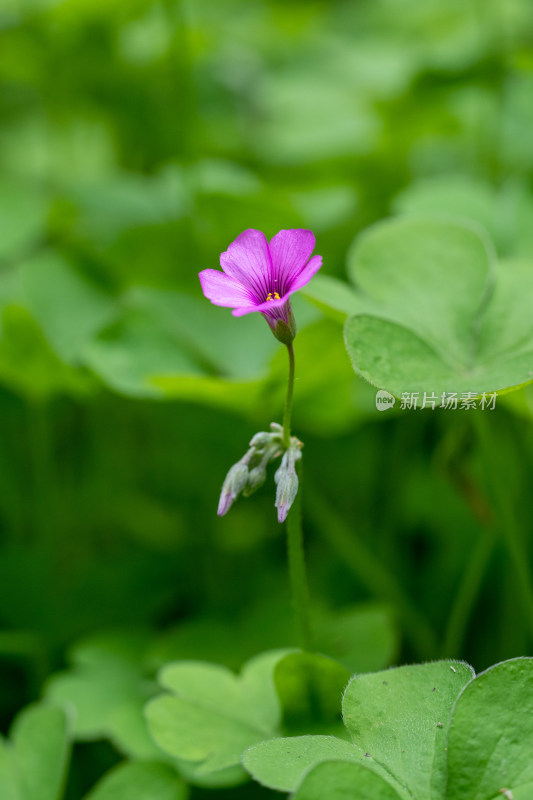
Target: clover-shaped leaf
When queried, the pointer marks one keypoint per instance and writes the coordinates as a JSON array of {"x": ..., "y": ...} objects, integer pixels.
[
  {"x": 107, "y": 689},
  {"x": 212, "y": 715},
  {"x": 433, "y": 312}
]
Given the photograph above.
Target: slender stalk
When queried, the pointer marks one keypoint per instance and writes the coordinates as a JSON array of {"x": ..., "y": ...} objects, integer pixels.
[
  {"x": 295, "y": 543},
  {"x": 288, "y": 400},
  {"x": 506, "y": 521},
  {"x": 297, "y": 571}
]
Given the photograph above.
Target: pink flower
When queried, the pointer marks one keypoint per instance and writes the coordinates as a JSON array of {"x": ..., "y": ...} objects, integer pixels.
[{"x": 260, "y": 276}]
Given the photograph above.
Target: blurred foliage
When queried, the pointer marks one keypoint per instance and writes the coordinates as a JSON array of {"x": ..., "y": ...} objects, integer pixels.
[{"x": 138, "y": 138}]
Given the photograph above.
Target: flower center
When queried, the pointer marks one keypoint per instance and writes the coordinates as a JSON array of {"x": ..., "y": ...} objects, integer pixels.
[{"x": 273, "y": 296}]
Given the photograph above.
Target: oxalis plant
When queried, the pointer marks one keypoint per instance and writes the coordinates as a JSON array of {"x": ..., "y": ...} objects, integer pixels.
[{"x": 430, "y": 313}]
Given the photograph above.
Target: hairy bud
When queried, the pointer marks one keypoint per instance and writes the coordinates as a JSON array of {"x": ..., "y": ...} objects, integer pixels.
[
  {"x": 233, "y": 485},
  {"x": 286, "y": 492},
  {"x": 287, "y": 480}
]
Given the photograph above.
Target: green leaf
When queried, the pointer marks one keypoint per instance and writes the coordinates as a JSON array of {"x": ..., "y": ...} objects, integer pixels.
[
  {"x": 33, "y": 763},
  {"x": 439, "y": 317},
  {"x": 233, "y": 348},
  {"x": 326, "y": 207},
  {"x": 490, "y": 740},
  {"x": 107, "y": 689},
  {"x": 282, "y": 763},
  {"x": 44, "y": 374},
  {"x": 293, "y": 134},
  {"x": 128, "y": 353},
  {"x": 140, "y": 781},
  {"x": 310, "y": 688},
  {"x": 212, "y": 714},
  {"x": 397, "y": 716},
  {"x": 429, "y": 276},
  {"x": 338, "y": 781},
  {"x": 108, "y": 206},
  {"x": 455, "y": 194},
  {"x": 68, "y": 307}
]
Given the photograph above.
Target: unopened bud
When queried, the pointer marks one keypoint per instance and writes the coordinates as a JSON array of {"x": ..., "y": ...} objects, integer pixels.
[
  {"x": 260, "y": 439},
  {"x": 256, "y": 478},
  {"x": 286, "y": 492},
  {"x": 233, "y": 485}
]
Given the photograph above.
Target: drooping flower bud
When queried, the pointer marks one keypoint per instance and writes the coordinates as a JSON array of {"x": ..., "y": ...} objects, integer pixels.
[
  {"x": 286, "y": 493},
  {"x": 233, "y": 485},
  {"x": 287, "y": 480}
]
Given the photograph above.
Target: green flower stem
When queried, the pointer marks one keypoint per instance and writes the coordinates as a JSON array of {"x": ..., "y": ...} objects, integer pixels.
[
  {"x": 295, "y": 543},
  {"x": 288, "y": 400},
  {"x": 297, "y": 571},
  {"x": 505, "y": 519},
  {"x": 373, "y": 574}
]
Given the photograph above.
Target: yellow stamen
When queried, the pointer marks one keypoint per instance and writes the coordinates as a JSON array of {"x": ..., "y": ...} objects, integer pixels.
[{"x": 276, "y": 296}]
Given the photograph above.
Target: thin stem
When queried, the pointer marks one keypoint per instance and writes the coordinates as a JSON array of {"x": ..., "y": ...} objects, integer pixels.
[
  {"x": 288, "y": 400},
  {"x": 297, "y": 571}
]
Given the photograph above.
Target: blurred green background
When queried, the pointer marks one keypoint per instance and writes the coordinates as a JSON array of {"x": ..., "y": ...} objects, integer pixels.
[{"x": 138, "y": 138}]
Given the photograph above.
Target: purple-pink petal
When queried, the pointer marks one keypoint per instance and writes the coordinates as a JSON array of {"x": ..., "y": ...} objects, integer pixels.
[
  {"x": 248, "y": 261},
  {"x": 312, "y": 267},
  {"x": 303, "y": 278},
  {"x": 223, "y": 290},
  {"x": 290, "y": 251}
]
